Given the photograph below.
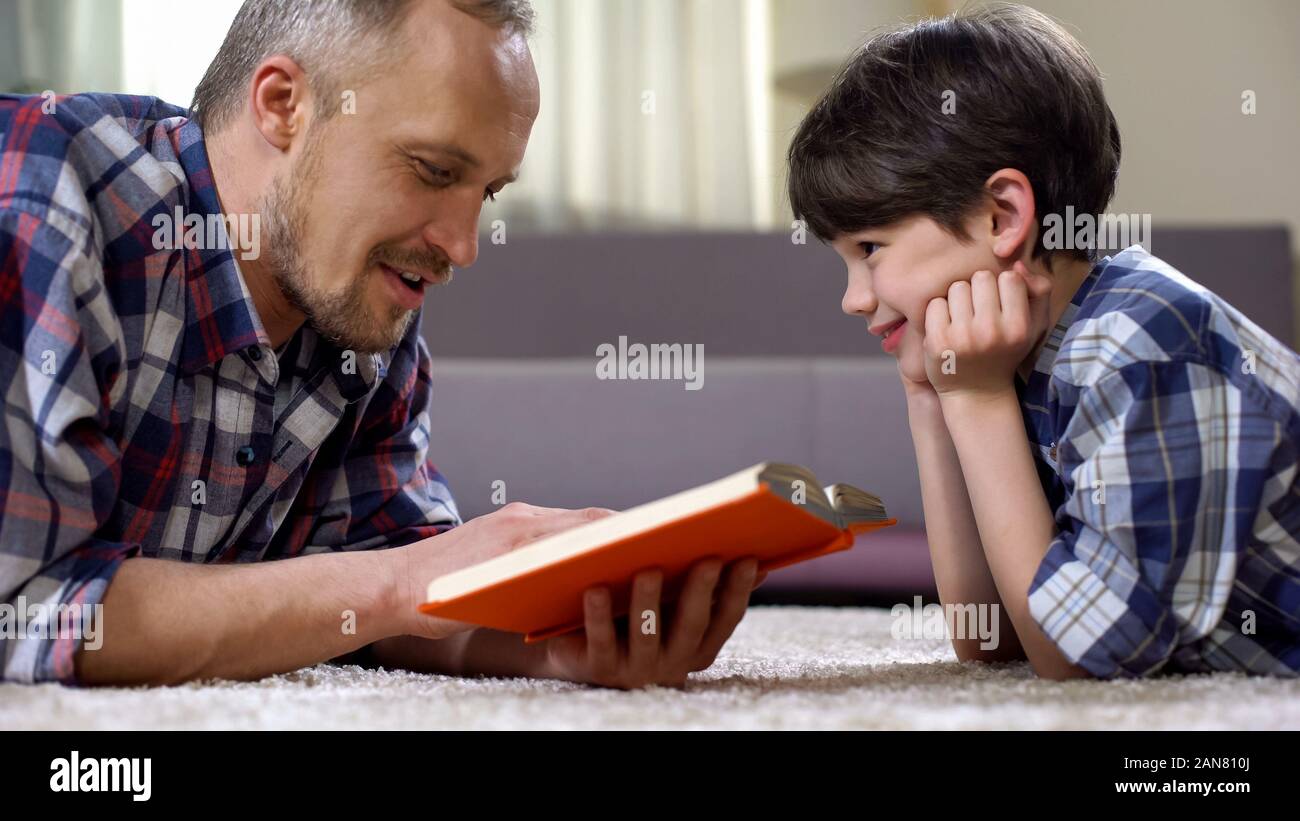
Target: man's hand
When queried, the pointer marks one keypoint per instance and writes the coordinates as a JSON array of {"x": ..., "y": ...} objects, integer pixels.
[
  {"x": 478, "y": 540},
  {"x": 690, "y": 641},
  {"x": 979, "y": 334}
]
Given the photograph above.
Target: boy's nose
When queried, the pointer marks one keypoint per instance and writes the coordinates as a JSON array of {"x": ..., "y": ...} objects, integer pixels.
[{"x": 858, "y": 299}]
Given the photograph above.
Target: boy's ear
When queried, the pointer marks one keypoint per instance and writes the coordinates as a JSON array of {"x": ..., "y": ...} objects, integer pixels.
[{"x": 1011, "y": 199}]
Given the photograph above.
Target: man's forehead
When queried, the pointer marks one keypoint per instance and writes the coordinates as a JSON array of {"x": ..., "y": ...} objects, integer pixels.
[
  {"x": 446, "y": 44},
  {"x": 464, "y": 90}
]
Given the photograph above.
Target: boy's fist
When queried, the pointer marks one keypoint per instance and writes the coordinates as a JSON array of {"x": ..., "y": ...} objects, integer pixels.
[{"x": 977, "y": 336}]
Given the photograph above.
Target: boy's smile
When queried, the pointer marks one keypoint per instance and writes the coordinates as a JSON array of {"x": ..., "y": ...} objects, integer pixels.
[{"x": 894, "y": 272}]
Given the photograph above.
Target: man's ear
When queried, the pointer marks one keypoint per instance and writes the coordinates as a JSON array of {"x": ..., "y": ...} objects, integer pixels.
[
  {"x": 280, "y": 101},
  {"x": 1013, "y": 212}
]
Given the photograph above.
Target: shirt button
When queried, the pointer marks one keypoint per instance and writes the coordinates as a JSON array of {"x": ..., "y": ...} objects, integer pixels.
[
  {"x": 255, "y": 353},
  {"x": 244, "y": 456}
]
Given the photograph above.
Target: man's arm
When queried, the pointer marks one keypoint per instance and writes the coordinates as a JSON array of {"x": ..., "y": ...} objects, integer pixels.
[
  {"x": 166, "y": 622},
  {"x": 961, "y": 570}
]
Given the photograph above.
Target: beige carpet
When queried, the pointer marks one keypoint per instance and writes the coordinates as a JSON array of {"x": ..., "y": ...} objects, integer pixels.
[{"x": 785, "y": 668}]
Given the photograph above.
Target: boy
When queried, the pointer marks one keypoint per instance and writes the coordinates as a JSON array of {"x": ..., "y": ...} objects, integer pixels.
[{"x": 1150, "y": 519}]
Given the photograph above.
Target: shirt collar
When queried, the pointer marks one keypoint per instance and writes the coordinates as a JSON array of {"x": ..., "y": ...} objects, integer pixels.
[
  {"x": 220, "y": 317},
  {"x": 1033, "y": 391}
]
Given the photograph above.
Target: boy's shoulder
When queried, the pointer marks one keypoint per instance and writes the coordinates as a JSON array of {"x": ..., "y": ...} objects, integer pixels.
[{"x": 1136, "y": 309}]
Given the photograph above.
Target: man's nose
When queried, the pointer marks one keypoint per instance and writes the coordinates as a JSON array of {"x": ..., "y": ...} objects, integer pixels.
[
  {"x": 455, "y": 232},
  {"x": 859, "y": 298}
]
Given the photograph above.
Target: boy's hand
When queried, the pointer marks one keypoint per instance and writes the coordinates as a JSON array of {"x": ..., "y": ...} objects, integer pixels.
[
  {"x": 979, "y": 334},
  {"x": 691, "y": 640}
]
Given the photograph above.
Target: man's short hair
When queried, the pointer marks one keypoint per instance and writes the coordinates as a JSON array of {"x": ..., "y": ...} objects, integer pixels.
[
  {"x": 337, "y": 42},
  {"x": 885, "y": 143}
]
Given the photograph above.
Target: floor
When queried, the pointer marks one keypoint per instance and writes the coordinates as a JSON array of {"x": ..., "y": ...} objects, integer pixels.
[{"x": 785, "y": 667}]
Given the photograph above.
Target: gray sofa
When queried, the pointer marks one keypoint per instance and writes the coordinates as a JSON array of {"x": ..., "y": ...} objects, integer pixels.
[{"x": 786, "y": 376}]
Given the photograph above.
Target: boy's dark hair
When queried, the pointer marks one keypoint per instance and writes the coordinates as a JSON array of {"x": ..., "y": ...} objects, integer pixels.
[{"x": 878, "y": 146}]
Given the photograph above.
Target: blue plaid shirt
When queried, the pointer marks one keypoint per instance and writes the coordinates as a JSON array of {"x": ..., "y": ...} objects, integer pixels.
[
  {"x": 144, "y": 411},
  {"x": 1167, "y": 433}
]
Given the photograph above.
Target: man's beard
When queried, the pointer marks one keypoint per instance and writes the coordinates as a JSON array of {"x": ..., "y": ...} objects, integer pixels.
[{"x": 341, "y": 317}]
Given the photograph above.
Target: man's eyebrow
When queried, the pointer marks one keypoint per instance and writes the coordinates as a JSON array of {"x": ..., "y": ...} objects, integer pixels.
[{"x": 453, "y": 150}]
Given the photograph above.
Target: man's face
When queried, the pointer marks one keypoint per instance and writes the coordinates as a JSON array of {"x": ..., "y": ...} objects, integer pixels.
[
  {"x": 910, "y": 262},
  {"x": 398, "y": 185}
]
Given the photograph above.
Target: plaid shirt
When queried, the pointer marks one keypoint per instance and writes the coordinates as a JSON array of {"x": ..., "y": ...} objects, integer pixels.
[
  {"x": 1167, "y": 427},
  {"x": 144, "y": 410}
]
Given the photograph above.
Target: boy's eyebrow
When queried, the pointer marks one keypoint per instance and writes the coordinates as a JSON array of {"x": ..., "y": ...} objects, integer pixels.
[{"x": 465, "y": 156}]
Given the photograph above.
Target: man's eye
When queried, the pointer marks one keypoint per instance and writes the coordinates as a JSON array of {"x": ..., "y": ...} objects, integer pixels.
[
  {"x": 868, "y": 248},
  {"x": 440, "y": 175}
]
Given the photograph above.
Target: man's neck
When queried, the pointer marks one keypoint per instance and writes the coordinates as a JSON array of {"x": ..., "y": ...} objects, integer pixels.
[{"x": 279, "y": 319}]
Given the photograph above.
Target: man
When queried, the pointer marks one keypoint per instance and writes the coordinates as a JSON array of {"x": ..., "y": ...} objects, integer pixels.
[{"x": 178, "y": 413}]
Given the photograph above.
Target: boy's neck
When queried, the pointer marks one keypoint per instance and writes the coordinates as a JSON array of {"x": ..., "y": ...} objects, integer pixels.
[{"x": 1067, "y": 276}]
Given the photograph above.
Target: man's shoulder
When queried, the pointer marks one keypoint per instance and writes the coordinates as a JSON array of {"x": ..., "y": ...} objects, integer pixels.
[
  {"x": 66, "y": 152},
  {"x": 60, "y": 119},
  {"x": 1142, "y": 311}
]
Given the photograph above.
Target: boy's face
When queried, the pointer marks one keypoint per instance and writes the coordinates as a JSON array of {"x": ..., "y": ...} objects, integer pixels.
[{"x": 894, "y": 272}]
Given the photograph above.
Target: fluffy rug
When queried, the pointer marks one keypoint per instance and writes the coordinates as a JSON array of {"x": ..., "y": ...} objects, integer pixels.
[{"x": 784, "y": 668}]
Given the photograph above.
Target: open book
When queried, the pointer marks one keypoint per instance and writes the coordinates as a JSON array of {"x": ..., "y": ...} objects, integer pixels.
[{"x": 777, "y": 513}]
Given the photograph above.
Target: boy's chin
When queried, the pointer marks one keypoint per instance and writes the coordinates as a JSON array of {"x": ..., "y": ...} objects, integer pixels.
[{"x": 912, "y": 367}]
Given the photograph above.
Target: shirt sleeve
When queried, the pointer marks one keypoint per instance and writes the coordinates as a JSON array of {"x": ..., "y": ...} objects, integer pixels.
[
  {"x": 383, "y": 490},
  {"x": 1164, "y": 465},
  {"x": 60, "y": 354}
]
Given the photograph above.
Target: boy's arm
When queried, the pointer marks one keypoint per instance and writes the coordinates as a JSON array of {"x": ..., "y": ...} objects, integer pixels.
[
  {"x": 961, "y": 570},
  {"x": 1014, "y": 521},
  {"x": 988, "y": 328}
]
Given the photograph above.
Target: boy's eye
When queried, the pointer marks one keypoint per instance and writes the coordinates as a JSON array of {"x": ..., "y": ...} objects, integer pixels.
[
  {"x": 489, "y": 195},
  {"x": 868, "y": 248}
]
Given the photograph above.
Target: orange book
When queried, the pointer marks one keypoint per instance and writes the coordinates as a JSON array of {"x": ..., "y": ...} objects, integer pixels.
[{"x": 777, "y": 513}]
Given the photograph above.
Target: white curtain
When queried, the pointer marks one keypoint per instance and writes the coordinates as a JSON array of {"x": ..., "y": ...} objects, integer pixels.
[
  {"x": 64, "y": 46},
  {"x": 654, "y": 113}
]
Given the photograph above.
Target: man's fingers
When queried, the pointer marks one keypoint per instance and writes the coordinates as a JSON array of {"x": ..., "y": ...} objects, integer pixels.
[
  {"x": 602, "y": 643},
  {"x": 694, "y": 611},
  {"x": 643, "y": 625},
  {"x": 559, "y": 520},
  {"x": 730, "y": 610}
]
